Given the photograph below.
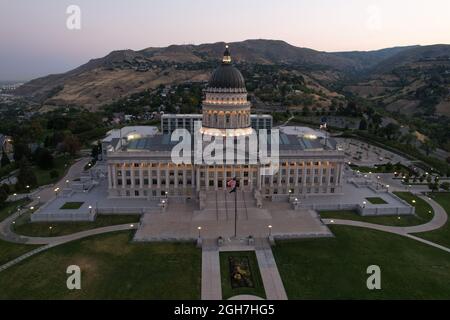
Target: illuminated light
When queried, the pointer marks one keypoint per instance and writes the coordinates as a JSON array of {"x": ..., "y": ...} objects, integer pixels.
[
  {"x": 131, "y": 225},
  {"x": 332, "y": 221}
]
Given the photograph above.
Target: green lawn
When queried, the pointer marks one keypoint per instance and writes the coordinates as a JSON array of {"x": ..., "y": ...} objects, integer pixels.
[
  {"x": 335, "y": 268},
  {"x": 227, "y": 290},
  {"x": 43, "y": 229},
  {"x": 112, "y": 268},
  {"x": 62, "y": 164},
  {"x": 422, "y": 215},
  {"x": 10, "y": 251},
  {"x": 376, "y": 200},
  {"x": 442, "y": 235},
  {"x": 11, "y": 207},
  {"x": 72, "y": 205}
]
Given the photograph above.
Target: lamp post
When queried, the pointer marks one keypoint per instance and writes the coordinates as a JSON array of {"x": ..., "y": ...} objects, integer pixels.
[
  {"x": 270, "y": 230},
  {"x": 364, "y": 204},
  {"x": 199, "y": 231},
  {"x": 56, "y": 191}
]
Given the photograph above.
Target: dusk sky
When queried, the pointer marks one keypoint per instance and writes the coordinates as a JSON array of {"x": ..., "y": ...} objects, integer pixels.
[{"x": 34, "y": 39}]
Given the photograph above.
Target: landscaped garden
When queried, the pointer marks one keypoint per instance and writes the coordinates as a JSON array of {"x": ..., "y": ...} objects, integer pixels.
[
  {"x": 24, "y": 226},
  {"x": 335, "y": 268},
  {"x": 72, "y": 205},
  {"x": 111, "y": 268},
  {"x": 240, "y": 274},
  {"x": 441, "y": 235},
  {"x": 423, "y": 213},
  {"x": 376, "y": 200}
]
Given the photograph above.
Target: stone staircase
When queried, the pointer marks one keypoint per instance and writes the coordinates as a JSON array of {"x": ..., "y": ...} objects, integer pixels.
[{"x": 220, "y": 205}]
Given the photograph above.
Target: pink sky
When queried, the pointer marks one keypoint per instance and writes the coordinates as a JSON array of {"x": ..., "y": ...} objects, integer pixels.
[{"x": 35, "y": 40}]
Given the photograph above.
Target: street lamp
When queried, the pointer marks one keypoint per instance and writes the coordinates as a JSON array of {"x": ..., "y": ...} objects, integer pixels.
[
  {"x": 387, "y": 187},
  {"x": 364, "y": 204},
  {"x": 270, "y": 230},
  {"x": 199, "y": 231}
]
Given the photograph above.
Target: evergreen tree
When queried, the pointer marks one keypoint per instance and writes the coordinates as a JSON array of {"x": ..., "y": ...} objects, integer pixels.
[
  {"x": 5, "y": 160},
  {"x": 26, "y": 176}
]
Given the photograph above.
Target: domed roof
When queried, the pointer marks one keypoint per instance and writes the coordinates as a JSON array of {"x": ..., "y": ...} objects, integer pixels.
[{"x": 226, "y": 76}]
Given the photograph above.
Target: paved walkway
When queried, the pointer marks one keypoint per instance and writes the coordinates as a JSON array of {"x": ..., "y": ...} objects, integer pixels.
[
  {"x": 211, "y": 280},
  {"x": 438, "y": 221},
  {"x": 211, "y": 277},
  {"x": 270, "y": 275}
]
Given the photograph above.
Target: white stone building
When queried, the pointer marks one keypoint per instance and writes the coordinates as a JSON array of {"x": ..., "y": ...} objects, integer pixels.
[{"x": 143, "y": 167}]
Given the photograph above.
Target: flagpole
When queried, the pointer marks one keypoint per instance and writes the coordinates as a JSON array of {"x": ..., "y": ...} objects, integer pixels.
[{"x": 235, "y": 212}]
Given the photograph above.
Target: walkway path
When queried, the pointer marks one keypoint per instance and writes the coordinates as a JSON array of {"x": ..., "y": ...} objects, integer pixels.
[
  {"x": 438, "y": 221},
  {"x": 211, "y": 277},
  {"x": 50, "y": 242},
  {"x": 211, "y": 280},
  {"x": 270, "y": 276}
]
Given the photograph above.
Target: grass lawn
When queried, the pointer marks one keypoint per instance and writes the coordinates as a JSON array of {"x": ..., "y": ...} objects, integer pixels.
[
  {"x": 23, "y": 225},
  {"x": 11, "y": 207},
  {"x": 422, "y": 215},
  {"x": 376, "y": 200},
  {"x": 335, "y": 268},
  {"x": 111, "y": 268},
  {"x": 72, "y": 205},
  {"x": 227, "y": 290},
  {"x": 62, "y": 164},
  {"x": 442, "y": 235},
  {"x": 10, "y": 251}
]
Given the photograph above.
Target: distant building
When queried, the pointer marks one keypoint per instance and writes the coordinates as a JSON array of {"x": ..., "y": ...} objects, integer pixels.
[
  {"x": 6, "y": 143},
  {"x": 171, "y": 122}
]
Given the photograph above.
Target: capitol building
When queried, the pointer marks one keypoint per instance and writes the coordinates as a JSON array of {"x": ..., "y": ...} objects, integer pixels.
[{"x": 141, "y": 166}]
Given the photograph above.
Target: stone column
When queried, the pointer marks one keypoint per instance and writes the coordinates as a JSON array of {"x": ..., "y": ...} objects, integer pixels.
[{"x": 124, "y": 178}]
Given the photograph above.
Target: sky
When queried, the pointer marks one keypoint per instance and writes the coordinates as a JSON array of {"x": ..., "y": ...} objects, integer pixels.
[{"x": 35, "y": 39}]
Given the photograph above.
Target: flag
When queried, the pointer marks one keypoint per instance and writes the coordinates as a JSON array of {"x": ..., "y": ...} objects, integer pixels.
[{"x": 232, "y": 184}]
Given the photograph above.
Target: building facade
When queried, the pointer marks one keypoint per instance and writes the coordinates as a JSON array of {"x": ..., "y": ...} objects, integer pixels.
[{"x": 143, "y": 167}]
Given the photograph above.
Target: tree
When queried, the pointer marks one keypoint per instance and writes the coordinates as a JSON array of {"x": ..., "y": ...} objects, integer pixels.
[
  {"x": 5, "y": 160},
  {"x": 363, "y": 124},
  {"x": 445, "y": 186},
  {"x": 71, "y": 145},
  {"x": 3, "y": 197},
  {"x": 433, "y": 186},
  {"x": 96, "y": 150},
  {"x": 26, "y": 176},
  {"x": 44, "y": 158},
  {"x": 391, "y": 130},
  {"x": 429, "y": 146},
  {"x": 21, "y": 151}
]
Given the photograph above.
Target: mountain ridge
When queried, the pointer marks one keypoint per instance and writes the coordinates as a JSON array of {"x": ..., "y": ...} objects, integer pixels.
[{"x": 123, "y": 72}]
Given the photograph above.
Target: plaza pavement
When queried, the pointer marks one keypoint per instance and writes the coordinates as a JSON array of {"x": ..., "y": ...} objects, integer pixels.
[{"x": 181, "y": 221}]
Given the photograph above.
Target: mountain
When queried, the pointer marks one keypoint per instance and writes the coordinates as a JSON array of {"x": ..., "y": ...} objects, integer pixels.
[
  {"x": 416, "y": 80},
  {"x": 124, "y": 72}
]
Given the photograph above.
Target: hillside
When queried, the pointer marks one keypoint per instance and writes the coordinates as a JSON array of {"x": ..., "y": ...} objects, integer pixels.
[
  {"x": 416, "y": 80},
  {"x": 399, "y": 77}
]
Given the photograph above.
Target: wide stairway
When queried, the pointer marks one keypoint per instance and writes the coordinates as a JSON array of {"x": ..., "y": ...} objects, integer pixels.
[{"x": 220, "y": 206}]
